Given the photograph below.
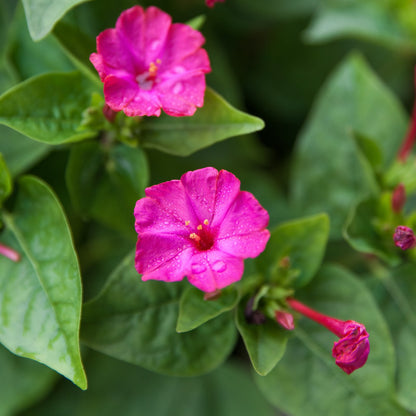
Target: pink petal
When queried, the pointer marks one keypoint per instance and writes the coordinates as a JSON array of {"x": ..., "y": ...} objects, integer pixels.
[
  {"x": 211, "y": 270},
  {"x": 249, "y": 245},
  {"x": 144, "y": 103},
  {"x": 200, "y": 187},
  {"x": 157, "y": 254},
  {"x": 119, "y": 92},
  {"x": 172, "y": 199},
  {"x": 114, "y": 52},
  {"x": 181, "y": 41}
]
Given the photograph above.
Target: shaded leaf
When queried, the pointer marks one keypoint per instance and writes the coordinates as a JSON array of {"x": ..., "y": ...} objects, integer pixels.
[
  {"x": 5, "y": 181},
  {"x": 135, "y": 321},
  {"x": 195, "y": 311},
  {"x": 215, "y": 121},
  {"x": 48, "y": 108},
  {"x": 42, "y": 15},
  {"x": 40, "y": 296}
]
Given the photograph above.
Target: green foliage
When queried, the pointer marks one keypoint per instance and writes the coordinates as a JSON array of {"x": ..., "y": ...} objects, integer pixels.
[
  {"x": 181, "y": 136},
  {"x": 40, "y": 295},
  {"x": 353, "y": 100},
  {"x": 42, "y": 15},
  {"x": 48, "y": 108},
  {"x": 135, "y": 321},
  {"x": 5, "y": 181}
]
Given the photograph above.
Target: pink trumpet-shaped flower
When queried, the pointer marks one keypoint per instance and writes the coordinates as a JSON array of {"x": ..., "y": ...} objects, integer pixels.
[
  {"x": 201, "y": 226},
  {"x": 404, "y": 237},
  {"x": 351, "y": 351},
  {"x": 147, "y": 64}
]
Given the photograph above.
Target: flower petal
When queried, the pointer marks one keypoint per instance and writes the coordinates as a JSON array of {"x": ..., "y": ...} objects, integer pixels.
[
  {"x": 162, "y": 257},
  {"x": 119, "y": 92},
  {"x": 144, "y": 103},
  {"x": 211, "y": 270}
]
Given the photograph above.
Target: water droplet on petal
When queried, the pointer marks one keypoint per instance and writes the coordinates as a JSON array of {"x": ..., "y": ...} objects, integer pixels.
[
  {"x": 219, "y": 266},
  {"x": 198, "y": 268},
  {"x": 154, "y": 45},
  {"x": 177, "y": 88}
]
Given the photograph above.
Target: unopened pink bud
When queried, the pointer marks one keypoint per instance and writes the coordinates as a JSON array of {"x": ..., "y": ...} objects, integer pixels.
[
  {"x": 351, "y": 351},
  {"x": 9, "y": 253},
  {"x": 285, "y": 319},
  {"x": 398, "y": 198},
  {"x": 404, "y": 237}
]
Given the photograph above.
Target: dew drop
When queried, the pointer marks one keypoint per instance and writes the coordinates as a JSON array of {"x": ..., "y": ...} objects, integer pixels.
[
  {"x": 197, "y": 268},
  {"x": 219, "y": 266},
  {"x": 177, "y": 88},
  {"x": 154, "y": 45}
]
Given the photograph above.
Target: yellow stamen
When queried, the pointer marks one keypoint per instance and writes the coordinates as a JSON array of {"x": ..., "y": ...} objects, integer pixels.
[
  {"x": 195, "y": 237},
  {"x": 206, "y": 222},
  {"x": 199, "y": 227},
  {"x": 152, "y": 68},
  {"x": 158, "y": 61},
  {"x": 187, "y": 223}
]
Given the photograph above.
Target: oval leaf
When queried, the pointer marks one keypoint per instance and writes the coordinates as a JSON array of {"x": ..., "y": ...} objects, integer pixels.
[
  {"x": 135, "y": 321},
  {"x": 49, "y": 107},
  {"x": 42, "y": 15},
  {"x": 195, "y": 311},
  {"x": 40, "y": 296},
  {"x": 215, "y": 121},
  {"x": 308, "y": 363}
]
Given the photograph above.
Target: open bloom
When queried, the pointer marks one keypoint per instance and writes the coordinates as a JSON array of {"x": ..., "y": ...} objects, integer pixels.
[
  {"x": 404, "y": 237},
  {"x": 147, "y": 64},
  {"x": 201, "y": 226},
  {"x": 351, "y": 351}
]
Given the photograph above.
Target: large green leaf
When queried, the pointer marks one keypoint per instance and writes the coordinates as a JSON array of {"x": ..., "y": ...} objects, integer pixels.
[
  {"x": 195, "y": 311},
  {"x": 121, "y": 388},
  {"x": 308, "y": 364},
  {"x": 48, "y": 108},
  {"x": 40, "y": 296},
  {"x": 19, "y": 151},
  {"x": 42, "y": 15},
  {"x": 301, "y": 243},
  {"x": 330, "y": 173},
  {"x": 5, "y": 181},
  {"x": 215, "y": 121},
  {"x": 371, "y": 20},
  {"x": 23, "y": 382},
  {"x": 106, "y": 183},
  {"x": 135, "y": 321},
  {"x": 265, "y": 343}
]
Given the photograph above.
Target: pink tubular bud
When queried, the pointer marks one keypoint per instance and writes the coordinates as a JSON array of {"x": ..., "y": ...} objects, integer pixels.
[
  {"x": 404, "y": 237},
  {"x": 285, "y": 319},
  {"x": 211, "y": 3},
  {"x": 398, "y": 198},
  {"x": 9, "y": 253},
  {"x": 351, "y": 351}
]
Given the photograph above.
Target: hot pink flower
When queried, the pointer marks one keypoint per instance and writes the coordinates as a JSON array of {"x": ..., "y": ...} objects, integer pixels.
[
  {"x": 211, "y": 3},
  {"x": 404, "y": 237},
  {"x": 201, "y": 226},
  {"x": 351, "y": 351},
  {"x": 147, "y": 64}
]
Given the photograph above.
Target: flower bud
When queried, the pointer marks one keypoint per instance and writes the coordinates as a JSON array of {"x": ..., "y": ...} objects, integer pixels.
[
  {"x": 398, "y": 198},
  {"x": 285, "y": 319},
  {"x": 404, "y": 237}
]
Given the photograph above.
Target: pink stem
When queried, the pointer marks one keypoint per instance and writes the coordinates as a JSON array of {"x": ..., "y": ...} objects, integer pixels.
[
  {"x": 9, "y": 253},
  {"x": 409, "y": 139},
  {"x": 334, "y": 325}
]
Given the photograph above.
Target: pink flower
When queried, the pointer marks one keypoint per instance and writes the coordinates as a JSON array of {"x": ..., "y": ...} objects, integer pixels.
[
  {"x": 211, "y": 3},
  {"x": 351, "y": 351},
  {"x": 201, "y": 226},
  {"x": 285, "y": 319},
  {"x": 147, "y": 64},
  {"x": 404, "y": 237}
]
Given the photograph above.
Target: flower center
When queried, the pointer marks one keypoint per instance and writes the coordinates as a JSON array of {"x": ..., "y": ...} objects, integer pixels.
[
  {"x": 202, "y": 237},
  {"x": 147, "y": 79}
]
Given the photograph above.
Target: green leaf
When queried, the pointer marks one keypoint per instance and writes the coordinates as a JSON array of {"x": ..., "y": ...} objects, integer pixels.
[
  {"x": 370, "y": 150},
  {"x": 6, "y": 185},
  {"x": 19, "y": 151},
  {"x": 23, "y": 382},
  {"x": 197, "y": 22},
  {"x": 105, "y": 183},
  {"x": 215, "y": 121},
  {"x": 265, "y": 343},
  {"x": 369, "y": 20},
  {"x": 308, "y": 363},
  {"x": 48, "y": 108},
  {"x": 135, "y": 321},
  {"x": 120, "y": 388},
  {"x": 330, "y": 174},
  {"x": 301, "y": 243},
  {"x": 40, "y": 296},
  {"x": 42, "y": 15},
  {"x": 195, "y": 311},
  {"x": 78, "y": 47},
  {"x": 370, "y": 229}
]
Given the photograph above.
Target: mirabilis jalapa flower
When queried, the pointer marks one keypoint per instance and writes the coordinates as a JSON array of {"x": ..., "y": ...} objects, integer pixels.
[
  {"x": 201, "y": 226},
  {"x": 147, "y": 64},
  {"x": 351, "y": 351}
]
